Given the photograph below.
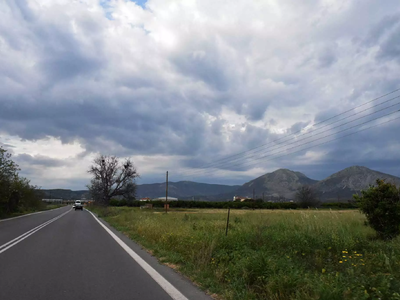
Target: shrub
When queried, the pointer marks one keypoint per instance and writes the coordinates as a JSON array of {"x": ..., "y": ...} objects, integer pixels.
[
  {"x": 340, "y": 205},
  {"x": 306, "y": 197},
  {"x": 381, "y": 205}
]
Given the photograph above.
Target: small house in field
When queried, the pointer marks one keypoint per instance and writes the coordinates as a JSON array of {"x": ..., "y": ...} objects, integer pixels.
[{"x": 240, "y": 199}]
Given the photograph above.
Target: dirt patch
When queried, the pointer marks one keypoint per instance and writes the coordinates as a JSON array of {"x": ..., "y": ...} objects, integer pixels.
[{"x": 172, "y": 266}]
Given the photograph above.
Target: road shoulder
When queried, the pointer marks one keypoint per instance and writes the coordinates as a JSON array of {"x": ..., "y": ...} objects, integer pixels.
[{"x": 183, "y": 284}]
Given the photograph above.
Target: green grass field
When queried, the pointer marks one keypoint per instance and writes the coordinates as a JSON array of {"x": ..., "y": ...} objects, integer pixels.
[{"x": 292, "y": 254}]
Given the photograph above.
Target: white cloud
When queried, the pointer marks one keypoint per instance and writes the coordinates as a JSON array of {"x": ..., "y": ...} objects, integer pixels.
[{"x": 183, "y": 83}]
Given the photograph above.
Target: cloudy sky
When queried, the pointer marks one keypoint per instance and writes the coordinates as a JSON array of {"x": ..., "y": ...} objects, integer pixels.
[{"x": 212, "y": 91}]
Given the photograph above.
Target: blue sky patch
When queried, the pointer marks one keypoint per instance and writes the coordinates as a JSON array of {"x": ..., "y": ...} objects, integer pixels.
[{"x": 141, "y": 3}]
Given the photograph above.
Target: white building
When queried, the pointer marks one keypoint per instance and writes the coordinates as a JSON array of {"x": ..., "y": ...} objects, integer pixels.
[{"x": 163, "y": 199}]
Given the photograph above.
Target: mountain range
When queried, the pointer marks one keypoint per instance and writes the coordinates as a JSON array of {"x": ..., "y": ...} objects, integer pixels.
[
  {"x": 280, "y": 184},
  {"x": 340, "y": 186}
]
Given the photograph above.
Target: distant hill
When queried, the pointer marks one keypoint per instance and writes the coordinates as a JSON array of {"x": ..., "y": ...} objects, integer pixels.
[
  {"x": 282, "y": 183},
  {"x": 181, "y": 190},
  {"x": 65, "y": 194},
  {"x": 343, "y": 184},
  {"x": 184, "y": 190}
]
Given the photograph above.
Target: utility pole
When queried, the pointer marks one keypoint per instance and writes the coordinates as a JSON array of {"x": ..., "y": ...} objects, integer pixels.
[
  {"x": 166, "y": 194},
  {"x": 227, "y": 221}
]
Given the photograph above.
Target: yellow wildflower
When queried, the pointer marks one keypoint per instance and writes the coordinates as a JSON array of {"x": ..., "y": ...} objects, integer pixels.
[{"x": 340, "y": 262}]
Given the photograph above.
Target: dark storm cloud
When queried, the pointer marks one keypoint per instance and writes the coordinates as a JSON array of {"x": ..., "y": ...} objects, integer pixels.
[
  {"x": 163, "y": 130},
  {"x": 327, "y": 58},
  {"x": 39, "y": 160},
  {"x": 390, "y": 47},
  {"x": 297, "y": 127},
  {"x": 375, "y": 148},
  {"x": 207, "y": 68},
  {"x": 218, "y": 88},
  {"x": 386, "y": 35},
  {"x": 378, "y": 31},
  {"x": 256, "y": 108}
]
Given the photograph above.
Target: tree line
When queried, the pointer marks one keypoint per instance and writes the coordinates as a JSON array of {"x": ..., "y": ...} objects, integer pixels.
[
  {"x": 16, "y": 192},
  {"x": 226, "y": 204}
]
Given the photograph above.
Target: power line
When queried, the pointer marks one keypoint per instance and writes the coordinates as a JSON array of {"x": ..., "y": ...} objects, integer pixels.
[
  {"x": 338, "y": 138},
  {"x": 369, "y": 121},
  {"x": 221, "y": 165},
  {"x": 307, "y": 133},
  {"x": 335, "y": 133},
  {"x": 251, "y": 149}
]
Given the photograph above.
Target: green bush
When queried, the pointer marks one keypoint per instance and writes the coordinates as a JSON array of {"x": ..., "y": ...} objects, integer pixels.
[
  {"x": 339, "y": 205},
  {"x": 116, "y": 202},
  {"x": 381, "y": 205}
]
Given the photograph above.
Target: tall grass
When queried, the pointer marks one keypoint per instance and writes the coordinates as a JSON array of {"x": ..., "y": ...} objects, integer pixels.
[{"x": 269, "y": 254}]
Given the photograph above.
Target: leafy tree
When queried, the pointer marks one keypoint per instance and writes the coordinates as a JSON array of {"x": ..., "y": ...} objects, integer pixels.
[
  {"x": 381, "y": 206},
  {"x": 112, "y": 179},
  {"x": 16, "y": 193},
  {"x": 8, "y": 176},
  {"x": 306, "y": 197}
]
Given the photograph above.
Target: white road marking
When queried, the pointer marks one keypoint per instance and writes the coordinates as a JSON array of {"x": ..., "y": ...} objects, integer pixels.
[
  {"x": 38, "y": 212},
  {"x": 168, "y": 287},
  {"x": 23, "y": 236}
]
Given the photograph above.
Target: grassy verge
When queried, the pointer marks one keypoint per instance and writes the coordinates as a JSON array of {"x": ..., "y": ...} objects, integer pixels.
[
  {"x": 269, "y": 254},
  {"x": 29, "y": 211}
]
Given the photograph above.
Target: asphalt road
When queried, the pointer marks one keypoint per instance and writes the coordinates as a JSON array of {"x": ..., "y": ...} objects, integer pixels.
[{"x": 74, "y": 257}]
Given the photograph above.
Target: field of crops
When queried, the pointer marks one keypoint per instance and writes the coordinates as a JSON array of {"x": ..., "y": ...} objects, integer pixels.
[{"x": 269, "y": 254}]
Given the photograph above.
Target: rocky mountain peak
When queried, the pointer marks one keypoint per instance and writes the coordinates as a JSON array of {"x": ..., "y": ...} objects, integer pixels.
[
  {"x": 282, "y": 182},
  {"x": 355, "y": 178}
]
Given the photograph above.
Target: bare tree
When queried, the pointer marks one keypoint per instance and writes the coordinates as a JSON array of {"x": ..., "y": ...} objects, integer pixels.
[
  {"x": 111, "y": 179},
  {"x": 306, "y": 196}
]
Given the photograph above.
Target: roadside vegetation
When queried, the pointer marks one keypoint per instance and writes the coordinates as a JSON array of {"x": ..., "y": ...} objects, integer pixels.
[
  {"x": 17, "y": 195},
  {"x": 236, "y": 205},
  {"x": 268, "y": 254}
]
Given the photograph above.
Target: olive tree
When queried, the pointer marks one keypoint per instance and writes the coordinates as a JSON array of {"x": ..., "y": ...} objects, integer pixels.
[
  {"x": 381, "y": 206},
  {"x": 112, "y": 178},
  {"x": 306, "y": 196}
]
